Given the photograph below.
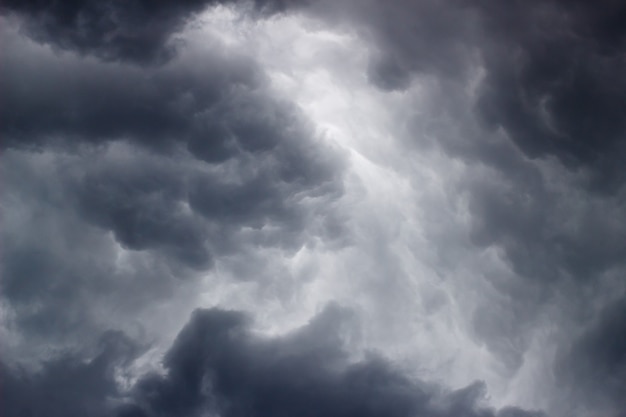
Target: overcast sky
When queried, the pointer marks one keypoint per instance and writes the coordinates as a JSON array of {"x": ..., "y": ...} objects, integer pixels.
[{"x": 302, "y": 208}]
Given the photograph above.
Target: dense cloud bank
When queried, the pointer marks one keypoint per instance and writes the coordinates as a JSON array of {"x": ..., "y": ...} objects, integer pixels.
[
  {"x": 217, "y": 366},
  {"x": 464, "y": 199}
]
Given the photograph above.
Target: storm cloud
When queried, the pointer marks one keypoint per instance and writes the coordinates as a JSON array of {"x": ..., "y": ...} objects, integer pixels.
[
  {"x": 176, "y": 165},
  {"x": 406, "y": 208},
  {"x": 216, "y": 365},
  {"x": 137, "y": 31}
]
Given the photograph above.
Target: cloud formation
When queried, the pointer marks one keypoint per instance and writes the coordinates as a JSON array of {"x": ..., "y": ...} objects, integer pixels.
[
  {"x": 446, "y": 174},
  {"x": 137, "y": 31},
  {"x": 216, "y": 365},
  {"x": 178, "y": 165}
]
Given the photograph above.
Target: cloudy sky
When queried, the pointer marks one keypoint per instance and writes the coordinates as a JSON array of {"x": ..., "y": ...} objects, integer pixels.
[{"x": 338, "y": 208}]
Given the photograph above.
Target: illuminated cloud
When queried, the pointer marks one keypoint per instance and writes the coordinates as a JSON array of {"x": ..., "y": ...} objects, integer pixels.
[{"x": 313, "y": 207}]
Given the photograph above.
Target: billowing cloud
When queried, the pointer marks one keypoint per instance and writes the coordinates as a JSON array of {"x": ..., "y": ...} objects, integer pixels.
[
  {"x": 445, "y": 175},
  {"x": 216, "y": 365},
  {"x": 553, "y": 71},
  {"x": 69, "y": 385},
  {"x": 595, "y": 361},
  {"x": 136, "y": 31},
  {"x": 177, "y": 165}
]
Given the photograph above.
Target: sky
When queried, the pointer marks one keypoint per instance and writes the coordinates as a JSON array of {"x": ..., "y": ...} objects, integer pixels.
[{"x": 338, "y": 208}]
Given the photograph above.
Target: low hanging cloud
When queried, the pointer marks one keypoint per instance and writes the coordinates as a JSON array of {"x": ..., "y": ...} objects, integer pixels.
[{"x": 216, "y": 365}]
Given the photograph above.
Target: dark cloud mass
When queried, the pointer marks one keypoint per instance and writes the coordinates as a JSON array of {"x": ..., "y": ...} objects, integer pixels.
[
  {"x": 69, "y": 385},
  {"x": 161, "y": 157},
  {"x": 137, "y": 31},
  {"x": 234, "y": 153},
  {"x": 597, "y": 360},
  {"x": 554, "y": 70},
  {"x": 178, "y": 164},
  {"x": 556, "y": 82},
  {"x": 217, "y": 366}
]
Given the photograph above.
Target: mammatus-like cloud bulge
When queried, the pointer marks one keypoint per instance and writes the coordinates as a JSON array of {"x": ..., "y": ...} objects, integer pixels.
[{"x": 218, "y": 366}]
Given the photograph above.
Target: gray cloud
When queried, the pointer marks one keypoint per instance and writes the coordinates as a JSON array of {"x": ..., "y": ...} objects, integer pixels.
[
  {"x": 69, "y": 385},
  {"x": 556, "y": 84},
  {"x": 554, "y": 71},
  {"x": 595, "y": 364},
  {"x": 193, "y": 160},
  {"x": 529, "y": 97},
  {"x": 92, "y": 102},
  {"x": 217, "y": 365},
  {"x": 405, "y": 37},
  {"x": 63, "y": 279},
  {"x": 178, "y": 165},
  {"x": 235, "y": 154},
  {"x": 135, "y": 31}
]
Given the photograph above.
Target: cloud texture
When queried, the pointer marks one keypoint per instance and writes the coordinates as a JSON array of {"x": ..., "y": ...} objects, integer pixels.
[{"x": 277, "y": 208}]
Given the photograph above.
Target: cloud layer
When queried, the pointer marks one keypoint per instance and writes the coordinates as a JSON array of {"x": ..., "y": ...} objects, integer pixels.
[
  {"x": 444, "y": 177},
  {"x": 217, "y": 366}
]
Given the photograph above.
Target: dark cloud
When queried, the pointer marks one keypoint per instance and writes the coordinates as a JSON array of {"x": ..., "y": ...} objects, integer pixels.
[
  {"x": 141, "y": 203},
  {"x": 217, "y": 365},
  {"x": 74, "y": 100},
  {"x": 415, "y": 37},
  {"x": 70, "y": 385},
  {"x": 63, "y": 280},
  {"x": 555, "y": 82},
  {"x": 549, "y": 190},
  {"x": 531, "y": 97},
  {"x": 189, "y": 158},
  {"x": 178, "y": 165},
  {"x": 553, "y": 70},
  {"x": 405, "y": 37},
  {"x": 548, "y": 236},
  {"x": 594, "y": 366},
  {"x": 135, "y": 30},
  {"x": 216, "y": 149}
]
